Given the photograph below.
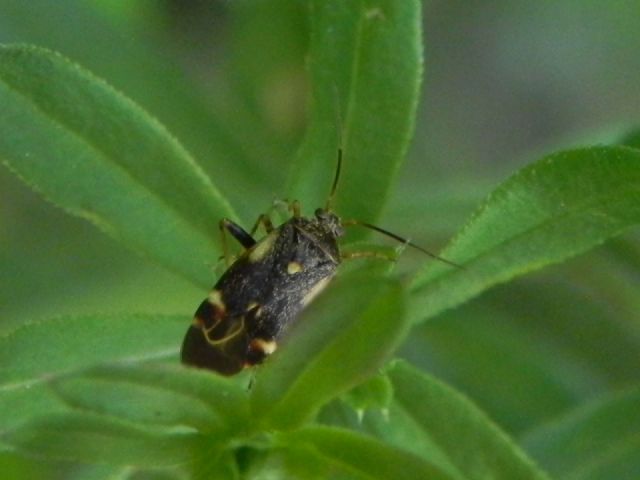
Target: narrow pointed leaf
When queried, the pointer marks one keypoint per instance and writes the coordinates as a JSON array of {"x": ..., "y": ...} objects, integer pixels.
[
  {"x": 597, "y": 441},
  {"x": 365, "y": 64},
  {"x": 20, "y": 402},
  {"x": 93, "y": 152},
  {"x": 40, "y": 350},
  {"x": 376, "y": 393},
  {"x": 342, "y": 339},
  {"x": 572, "y": 333},
  {"x": 519, "y": 377},
  {"x": 158, "y": 395},
  {"x": 364, "y": 456},
  {"x": 452, "y": 429},
  {"x": 143, "y": 70},
  {"x": 551, "y": 210},
  {"x": 84, "y": 438}
]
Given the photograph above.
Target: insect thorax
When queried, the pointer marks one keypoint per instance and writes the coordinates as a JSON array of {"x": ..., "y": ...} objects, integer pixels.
[{"x": 279, "y": 272}]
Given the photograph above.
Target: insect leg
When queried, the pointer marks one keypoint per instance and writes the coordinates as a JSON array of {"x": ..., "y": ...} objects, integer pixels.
[
  {"x": 294, "y": 207},
  {"x": 265, "y": 221},
  {"x": 237, "y": 232}
]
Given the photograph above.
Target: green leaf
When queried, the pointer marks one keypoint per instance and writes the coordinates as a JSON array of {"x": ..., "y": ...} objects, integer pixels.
[
  {"x": 374, "y": 393},
  {"x": 465, "y": 440},
  {"x": 24, "y": 401},
  {"x": 572, "y": 334},
  {"x": 519, "y": 376},
  {"x": 17, "y": 467},
  {"x": 77, "y": 471},
  {"x": 366, "y": 64},
  {"x": 223, "y": 465},
  {"x": 141, "y": 67},
  {"x": 159, "y": 395},
  {"x": 362, "y": 455},
  {"x": 39, "y": 351},
  {"x": 432, "y": 212},
  {"x": 272, "y": 91},
  {"x": 551, "y": 210},
  {"x": 96, "y": 154},
  {"x": 340, "y": 340},
  {"x": 85, "y": 438},
  {"x": 156, "y": 474},
  {"x": 631, "y": 138},
  {"x": 35, "y": 351},
  {"x": 598, "y": 441}
]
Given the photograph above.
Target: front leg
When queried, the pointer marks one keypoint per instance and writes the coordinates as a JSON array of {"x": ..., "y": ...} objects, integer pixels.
[
  {"x": 237, "y": 232},
  {"x": 265, "y": 221}
]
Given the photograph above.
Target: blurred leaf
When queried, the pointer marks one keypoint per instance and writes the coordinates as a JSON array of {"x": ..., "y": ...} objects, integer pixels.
[
  {"x": 551, "y": 210},
  {"x": 374, "y": 393},
  {"x": 363, "y": 456},
  {"x": 625, "y": 251},
  {"x": 465, "y": 439},
  {"x": 530, "y": 350},
  {"x": 19, "y": 402},
  {"x": 36, "y": 352},
  {"x": 301, "y": 460},
  {"x": 218, "y": 464},
  {"x": 340, "y": 340},
  {"x": 273, "y": 90},
  {"x": 598, "y": 441},
  {"x": 143, "y": 67},
  {"x": 39, "y": 350},
  {"x": 518, "y": 375},
  {"x": 16, "y": 467},
  {"x": 366, "y": 64},
  {"x": 157, "y": 474},
  {"x": 86, "y": 438},
  {"x": 631, "y": 139},
  {"x": 164, "y": 395},
  {"x": 432, "y": 211},
  {"x": 76, "y": 471},
  {"x": 114, "y": 165}
]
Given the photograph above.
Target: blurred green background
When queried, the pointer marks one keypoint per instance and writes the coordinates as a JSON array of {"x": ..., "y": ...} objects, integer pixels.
[{"x": 505, "y": 83}]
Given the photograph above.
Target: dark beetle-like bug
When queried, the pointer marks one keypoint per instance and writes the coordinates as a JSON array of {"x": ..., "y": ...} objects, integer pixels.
[{"x": 262, "y": 292}]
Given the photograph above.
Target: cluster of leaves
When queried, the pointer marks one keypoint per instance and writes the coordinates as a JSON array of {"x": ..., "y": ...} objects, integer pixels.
[{"x": 329, "y": 403}]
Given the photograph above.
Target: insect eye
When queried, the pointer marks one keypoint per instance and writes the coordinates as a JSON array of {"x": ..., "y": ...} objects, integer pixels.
[{"x": 320, "y": 213}]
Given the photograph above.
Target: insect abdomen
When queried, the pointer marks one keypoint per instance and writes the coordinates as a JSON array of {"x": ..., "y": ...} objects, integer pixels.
[{"x": 215, "y": 340}]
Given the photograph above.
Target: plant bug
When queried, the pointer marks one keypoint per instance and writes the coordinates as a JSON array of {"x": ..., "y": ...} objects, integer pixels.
[{"x": 261, "y": 293}]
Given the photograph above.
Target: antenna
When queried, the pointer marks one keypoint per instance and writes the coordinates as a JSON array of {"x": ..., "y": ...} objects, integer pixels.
[
  {"x": 339, "y": 132},
  {"x": 402, "y": 240},
  {"x": 335, "y": 181}
]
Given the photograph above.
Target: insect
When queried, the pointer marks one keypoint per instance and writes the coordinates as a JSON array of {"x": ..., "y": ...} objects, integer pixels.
[{"x": 240, "y": 322}]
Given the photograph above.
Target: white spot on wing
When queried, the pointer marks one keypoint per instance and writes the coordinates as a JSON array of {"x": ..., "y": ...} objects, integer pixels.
[{"x": 293, "y": 267}]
